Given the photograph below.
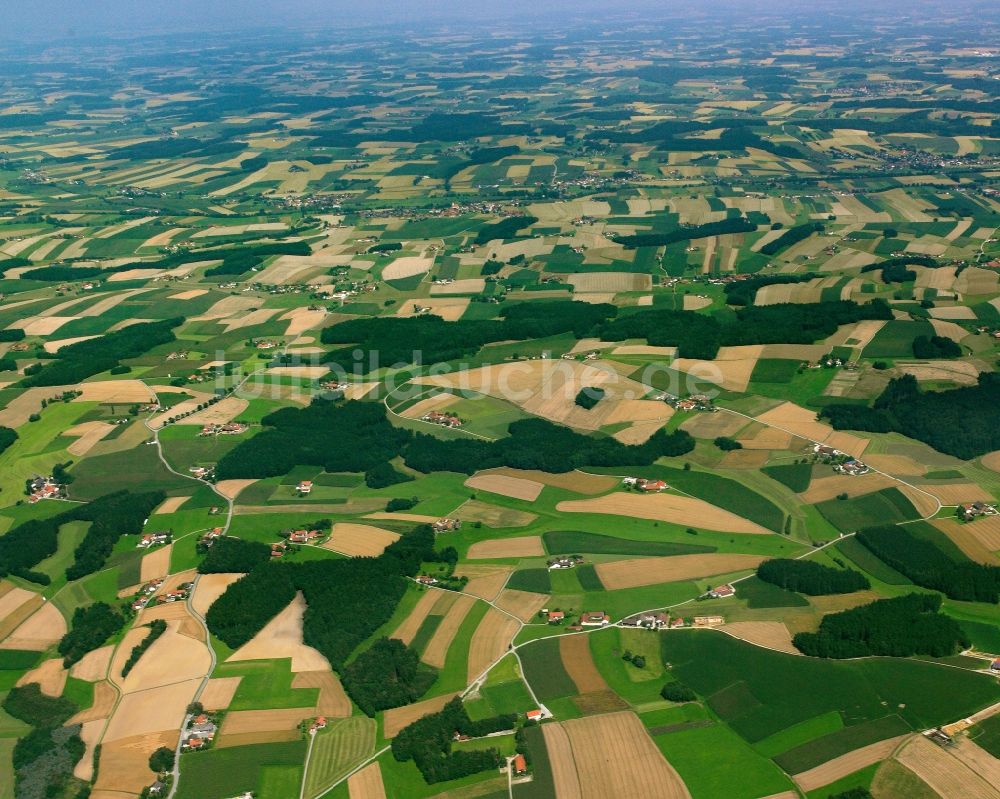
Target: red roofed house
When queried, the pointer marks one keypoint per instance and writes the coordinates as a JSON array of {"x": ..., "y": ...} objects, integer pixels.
[
  {"x": 653, "y": 485},
  {"x": 722, "y": 592},
  {"x": 995, "y": 665},
  {"x": 520, "y": 765},
  {"x": 597, "y": 618},
  {"x": 304, "y": 486},
  {"x": 533, "y": 715},
  {"x": 556, "y": 616}
]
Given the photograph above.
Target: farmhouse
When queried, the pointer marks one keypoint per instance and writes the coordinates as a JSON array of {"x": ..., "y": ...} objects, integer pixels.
[
  {"x": 565, "y": 562},
  {"x": 41, "y": 488},
  {"x": 643, "y": 484},
  {"x": 303, "y": 536},
  {"x": 852, "y": 467},
  {"x": 995, "y": 665},
  {"x": 304, "y": 486},
  {"x": 520, "y": 765},
  {"x": 648, "y": 621},
  {"x": 556, "y": 616},
  {"x": 319, "y": 723},
  {"x": 227, "y": 429},
  {"x": 209, "y": 538},
  {"x": 278, "y": 549},
  {"x": 827, "y": 452},
  {"x": 677, "y": 623},
  {"x": 594, "y": 618},
  {"x": 149, "y": 540},
  {"x": 202, "y": 472},
  {"x": 708, "y": 621},
  {"x": 973, "y": 510},
  {"x": 447, "y": 525},
  {"x": 722, "y": 592}
]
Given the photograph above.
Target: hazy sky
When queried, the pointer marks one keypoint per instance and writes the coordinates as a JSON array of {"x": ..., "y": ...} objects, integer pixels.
[{"x": 56, "y": 19}]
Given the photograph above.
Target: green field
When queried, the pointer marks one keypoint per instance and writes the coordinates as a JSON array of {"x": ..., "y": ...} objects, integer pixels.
[
  {"x": 888, "y": 506},
  {"x": 559, "y": 542},
  {"x": 266, "y": 684},
  {"x": 794, "y": 476},
  {"x": 544, "y": 670},
  {"x": 221, "y": 773},
  {"x": 335, "y": 750}
]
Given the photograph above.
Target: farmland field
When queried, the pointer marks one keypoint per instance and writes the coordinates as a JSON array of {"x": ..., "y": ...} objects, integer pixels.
[{"x": 372, "y": 377}]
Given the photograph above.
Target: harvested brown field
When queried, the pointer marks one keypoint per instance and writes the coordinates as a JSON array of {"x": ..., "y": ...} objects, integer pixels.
[
  {"x": 407, "y": 266},
  {"x": 957, "y": 493},
  {"x": 506, "y": 486},
  {"x": 94, "y": 665},
  {"x": 672, "y": 568},
  {"x": 411, "y": 624},
  {"x": 579, "y": 482},
  {"x": 638, "y": 410},
  {"x": 156, "y": 563},
  {"x": 90, "y": 734},
  {"x": 613, "y": 756},
  {"x": 893, "y": 780},
  {"x": 302, "y": 319},
  {"x": 832, "y": 485},
  {"x": 991, "y": 461},
  {"x": 986, "y": 531},
  {"x": 366, "y": 783},
  {"x": 839, "y": 767},
  {"x": 730, "y": 369},
  {"x": 210, "y": 587},
  {"x": 332, "y": 699},
  {"x": 945, "y": 773},
  {"x": 471, "y": 285},
  {"x": 173, "y": 657},
  {"x": 50, "y": 676},
  {"x": 123, "y": 767},
  {"x": 926, "y": 504},
  {"x": 266, "y": 725},
  {"x": 768, "y": 634},
  {"x": 637, "y": 433},
  {"x": 606, "y": 701},
  {"x": 797, "y": 420},
  {"x": 713, "y": 425},
  {"x": 437, "y": 648},
  {"x": 448, "y": 308},
  {"x": 114, "y": 391},
  {"x": 219, "y": 692},
  {"x": 171, "y": 504},
  {"x": 497, "y": 516},
  {"x": 190, "y": 294},
  {"x": 484, "y": 581},
  {"x": 105, "y": 697},
  {"x": 574, "y": 650},
  {"x": 645, "y": 349},
  {"x": 282, "y": 638},
  {"x": 978, "y": 759},
  {"x": 151, "y": 710},
  {"x": 560, "y": 752},
  {"x": 16, "y": 607},
  {"x": 520, "y": 547},
  {"x": 490, "y": 641},
  {"x": 397, "y": 718},
  {"x": 231, "y": 489},
  {"x": 612, "y": 282},
  {"x": 901, "y": 465},
  {"x": 87, "y": 434},
  {"x": 435, "y": 402},
  {"x": 960, "y": 372},
  {"x": 359, "y": 540},
  {"x": 745, "y": 459},
  {"x": 674, "y": 508},
  {"x": 523, "y": 604},
  {"x": 17, "y": 411},
  {"x": 225, "y": 410},
  {"x": 963, "y": 538},
  {"x": 767, "y": 439},
  {"x": 38, "y": 631}
]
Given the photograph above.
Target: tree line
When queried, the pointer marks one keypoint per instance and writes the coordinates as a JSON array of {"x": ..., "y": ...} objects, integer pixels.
[
  {"x": 111, "y": 516},
  {"x": 89, "y": 628},
  {"x": 358, "y": 437},
  {"x": 790, "y": 237},
  {"x": 76, "y": 362},
  {"x": 428, "y": 743},
  {"x": 808, "y": 577},
  {"x": 736, "y": 224},
  {"x": 899, "y": 627},
  {"x": 228, "y": 554},
  {"x": 928, "y": 566},
  {"x": 959, "y": 421},
  {"x": 388, "y": 674},
  {"x": 157, "y": 627}
]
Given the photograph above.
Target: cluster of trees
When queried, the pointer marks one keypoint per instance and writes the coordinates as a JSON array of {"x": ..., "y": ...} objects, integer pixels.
[
  {"x": 7, "y": 437},
  {"x": 695, "y": 335},
  {"x": 30, "y": 543},
  {"x": 677, "y": 691},
  {"x": 228, "y": 554},
  {"x": 791, "y": 236},
  {"x": 808, "y": 577},
  {"x": 504, "y": 229},
  {"x": 347, "y": 601},
  {"x": 388, "y": 674},
  {"x": 736, "y": 224},
  {"x": 928, "y": 566},
  {"x": 431, "y": 339},
  {"x": 111, "y": 517},
  {"x": 959, "y": 422},
  {"x": 727, "y": 444},
  {"x": 162, "y": 760},
  {"x": 357, "y": 437},
  {"x": 427, "y": 742},
  {"x": 744, "y": 292},
  {"x": 44, "y": 758},
  {"x": 76, "y": 362},
  {"x": 894, "y": 270},
  {"x": 89, "y": 628},
  {"x": 931, "y": 347},
  {"x": 900, "y": 627},
  {"x": 589, "y": 396},
  {"x": 13, "y": 333},
  {"x": 382, "y": 475},
  {"x": 157, "y": 627}
]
